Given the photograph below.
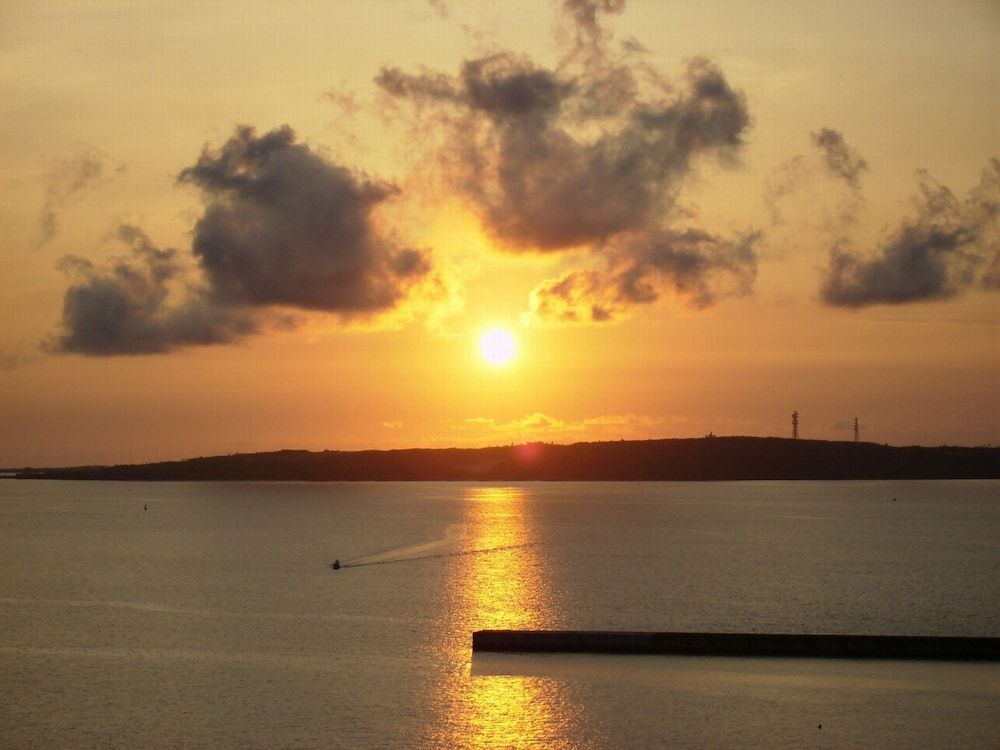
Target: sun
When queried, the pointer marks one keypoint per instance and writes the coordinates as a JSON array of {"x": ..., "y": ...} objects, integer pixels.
[{"x": 497, "y": 346}]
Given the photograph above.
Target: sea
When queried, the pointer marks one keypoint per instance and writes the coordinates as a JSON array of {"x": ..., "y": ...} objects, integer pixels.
[{"x": 207, "y": 615}]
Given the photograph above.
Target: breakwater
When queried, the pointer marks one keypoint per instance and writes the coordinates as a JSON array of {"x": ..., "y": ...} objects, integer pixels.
[{"x": 739, "y": 644}]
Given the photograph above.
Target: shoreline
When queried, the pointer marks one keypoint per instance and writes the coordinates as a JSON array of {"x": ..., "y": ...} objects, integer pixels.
[{"x": 682, "y": 459}]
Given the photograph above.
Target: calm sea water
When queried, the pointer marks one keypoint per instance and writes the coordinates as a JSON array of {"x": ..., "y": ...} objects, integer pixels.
[{"x": 210, "y": 619}]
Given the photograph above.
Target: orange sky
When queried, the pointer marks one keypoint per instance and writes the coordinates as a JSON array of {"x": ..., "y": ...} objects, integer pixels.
[{"x": 691, "y": 217}]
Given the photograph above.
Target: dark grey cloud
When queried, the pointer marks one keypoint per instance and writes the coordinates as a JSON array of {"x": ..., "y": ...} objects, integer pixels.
[
  {"x": 128, "y": 307},
  {"x": 944, "y": 248},
  {"x": 66, "y": 181},
  {"x": 590, "y": 154},
  {"x": 547, "y": 170},
  {"x": 840, "y": 159},
  {"x": 285, "y": 226},
  {"x": 693, "y": 265},
  {"x": 504, "y": 88}
]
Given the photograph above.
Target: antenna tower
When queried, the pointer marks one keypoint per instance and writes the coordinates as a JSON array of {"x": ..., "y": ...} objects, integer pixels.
[
  {"x": 795, "y": 425},
  {"x": 857, "y": 432}
]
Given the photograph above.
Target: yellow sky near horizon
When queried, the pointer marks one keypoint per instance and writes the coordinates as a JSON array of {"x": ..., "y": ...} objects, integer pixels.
[{"x": 141, "y": 88}]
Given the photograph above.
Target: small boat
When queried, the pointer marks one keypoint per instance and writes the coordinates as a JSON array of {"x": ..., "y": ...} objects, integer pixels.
[{"x": 336, "y": 565}]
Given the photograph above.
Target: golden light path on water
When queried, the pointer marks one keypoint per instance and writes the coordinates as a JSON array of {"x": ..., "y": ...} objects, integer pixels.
[{"x": 505, "y": 589}]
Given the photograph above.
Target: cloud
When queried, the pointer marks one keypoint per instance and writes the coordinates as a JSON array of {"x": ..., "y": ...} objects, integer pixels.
[
  {"x": 579, "y": 295},
  {"x": 536, "y": 421},
  {"x": 440, "y": 7},
  {"x": 551, "y": 161},
  {"x": 9, "y": 361},
  {"x": 537, "y": 426},
  {"x": 840, "y": 159},
  {"x": 128, "y": 307},
  {"x": 344, "y": 99},
  {"x": 585, "y": 15},
  {"x": 944, "y": 248},
  {"x": 590, "y": 155},
  {"x": 502, "y": 88},
  {"x": 19, "y": 358},
  {"x": 837, "y": 160},
  {"x": 284, "y": 226},
  {"x": 67, "y": 180},
  {"x": 634, "y": 46},
  {"x": 787, "y": 179},
  {"x": 695, "y": 266}
]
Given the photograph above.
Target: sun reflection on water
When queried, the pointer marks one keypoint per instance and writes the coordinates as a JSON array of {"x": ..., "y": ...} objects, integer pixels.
[{"x": 504, "y": 589}]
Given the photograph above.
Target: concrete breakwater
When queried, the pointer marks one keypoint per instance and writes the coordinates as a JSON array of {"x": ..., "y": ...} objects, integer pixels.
[{"x": 738, "y": 644}]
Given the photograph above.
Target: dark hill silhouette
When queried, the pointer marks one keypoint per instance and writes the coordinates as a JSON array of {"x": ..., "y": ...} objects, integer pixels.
[{"x": 709, "y": 458}]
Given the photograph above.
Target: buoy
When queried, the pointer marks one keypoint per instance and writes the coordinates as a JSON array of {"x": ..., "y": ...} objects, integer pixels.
[{"x": 336, "y": 565}]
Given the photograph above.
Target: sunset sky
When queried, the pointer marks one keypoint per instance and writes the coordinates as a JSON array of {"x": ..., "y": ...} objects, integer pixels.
[{"x": 232, "y": 227}]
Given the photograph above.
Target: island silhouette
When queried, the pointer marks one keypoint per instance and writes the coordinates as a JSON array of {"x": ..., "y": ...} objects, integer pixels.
[{"x": 693, "y": 459}]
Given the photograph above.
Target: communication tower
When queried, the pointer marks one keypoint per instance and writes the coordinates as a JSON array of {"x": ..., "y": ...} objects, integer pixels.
[
  {"x": 857, "y": 432},
  {"x": 795, "y": 425}
]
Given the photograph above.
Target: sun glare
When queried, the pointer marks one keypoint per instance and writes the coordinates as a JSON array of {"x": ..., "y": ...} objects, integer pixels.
[{"x": 497, "y": 346}]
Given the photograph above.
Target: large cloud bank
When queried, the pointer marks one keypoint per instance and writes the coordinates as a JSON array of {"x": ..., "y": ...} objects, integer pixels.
[{"x": 588, "y": 159}]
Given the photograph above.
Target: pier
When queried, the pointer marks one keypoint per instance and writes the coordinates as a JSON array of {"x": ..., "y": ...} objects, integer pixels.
[{"x": 946, "y": 648}]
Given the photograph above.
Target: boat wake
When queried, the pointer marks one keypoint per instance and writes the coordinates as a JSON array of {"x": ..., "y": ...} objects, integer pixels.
[
  {"x": 362, "y": 562},
  {"x": 450, "y": 545},
  {"x": 454, "y": 534}
]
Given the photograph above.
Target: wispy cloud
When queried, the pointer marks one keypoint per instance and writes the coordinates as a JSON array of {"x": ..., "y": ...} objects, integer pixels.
[
  {"x": 840, "y": 159},
  {"x": 694, "y": 266},
  {"x": 440, "y": 7},
  {"x": 539, "y": 426},
  {"x": 585, "y": 15},
  {"x": 22, "y": 355},
  {"x": 68, "y": 179},
  {"x": 833, "y": 159},
  {"x": 945, "y": 247}
]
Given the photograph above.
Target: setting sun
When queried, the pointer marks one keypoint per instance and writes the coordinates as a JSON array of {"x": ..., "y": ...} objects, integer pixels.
[{"x": 497, "y": 346}]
